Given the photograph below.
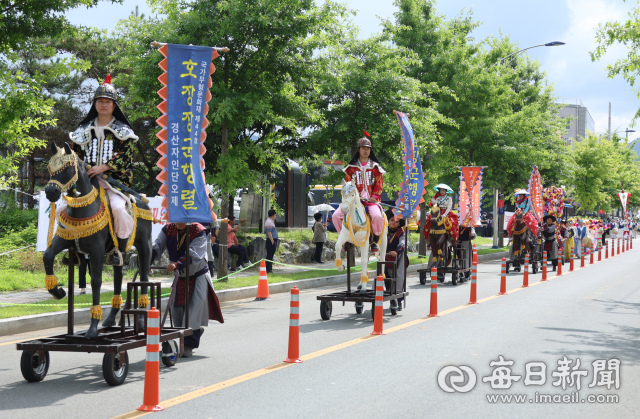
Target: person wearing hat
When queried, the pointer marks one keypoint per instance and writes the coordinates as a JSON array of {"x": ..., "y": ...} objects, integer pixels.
[
  {"x": 365, "y": 171},
  {"x": 396, "y": 252},
  {"x": 522, "y": 202},
  {"x": 442, "y": 199},
  {"x": 104, "y": 140},
  {"x": 550, "y": 241}
]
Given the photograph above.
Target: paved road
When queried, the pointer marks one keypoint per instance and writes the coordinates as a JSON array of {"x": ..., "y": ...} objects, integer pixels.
[{"x": 592, "y": 313}]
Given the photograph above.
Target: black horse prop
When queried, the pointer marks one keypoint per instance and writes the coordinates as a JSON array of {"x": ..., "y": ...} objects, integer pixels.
[{"x": 86, "y": 227}]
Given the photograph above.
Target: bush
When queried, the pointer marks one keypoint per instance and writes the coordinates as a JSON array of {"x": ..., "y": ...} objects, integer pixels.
[{"x": 13, "y": 217}]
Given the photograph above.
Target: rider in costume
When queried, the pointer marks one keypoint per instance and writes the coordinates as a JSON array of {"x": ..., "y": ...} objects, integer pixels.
[
  {"x": 449, "y": 219},
  {"x": 522, "y": 202},
  {"x": 104, "y": 140},
  {"x": 443, "y": 201},
  {"x": 365, "y": 170}
]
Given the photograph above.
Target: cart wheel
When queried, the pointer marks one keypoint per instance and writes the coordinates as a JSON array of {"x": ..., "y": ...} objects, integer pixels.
[
  {"x": 170, "y": 352},
  {"x": 423, "y": 278},
  {"x": 394, "y": 310},
  {"x": 534, "y": 267},
  {"x": 32, "y": 366},
  {"x": 454, "y": 278},
  {"x": 507, "y": 271},
  {"x": 359, "y": 308},
  {"x": 325, "y": 309},
  {"x": 517, "y": 268},
  {"x": 115, "y": 367},
  {"x": 440, "y": 277},
  {"x": 373, "y": 311}
]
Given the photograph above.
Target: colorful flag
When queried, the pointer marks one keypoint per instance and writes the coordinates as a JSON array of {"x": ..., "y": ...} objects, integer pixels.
[
  {"x": 470, "y": 195},
  {"x": 413, "y": 183},
  {"x": 624, "y": 199},
  {"x": 186, "y": 77},
  {"x": 535, "y": 193}
]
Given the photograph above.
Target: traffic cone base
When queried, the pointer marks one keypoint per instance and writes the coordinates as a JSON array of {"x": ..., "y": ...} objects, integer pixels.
[{"x": 263, "y": 283}]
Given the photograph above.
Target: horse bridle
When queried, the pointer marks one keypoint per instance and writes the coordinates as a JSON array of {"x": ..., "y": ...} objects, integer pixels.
[{"x": 58, "y": 164}]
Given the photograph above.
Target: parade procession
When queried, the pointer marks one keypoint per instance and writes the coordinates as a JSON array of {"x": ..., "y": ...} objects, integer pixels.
[{"x": 246, "y": 208}]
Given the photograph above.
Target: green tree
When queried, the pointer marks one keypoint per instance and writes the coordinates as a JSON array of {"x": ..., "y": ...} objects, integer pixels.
[
  {"x": 611, "y": 34},
  {"x": 261, "y": 87},
  {"x": 504, "y": 115},
  {"x": 364, "y": 82}
]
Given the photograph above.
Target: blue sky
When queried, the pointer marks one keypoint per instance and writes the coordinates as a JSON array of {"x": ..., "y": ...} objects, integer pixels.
[{"x": 569, "y": 67}]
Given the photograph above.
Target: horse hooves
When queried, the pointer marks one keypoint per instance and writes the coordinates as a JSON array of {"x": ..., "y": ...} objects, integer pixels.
[
  {"x": 111, "y": 319},
  {"x": 58, "y": 293},
  {"x": 93, "y": 329}
]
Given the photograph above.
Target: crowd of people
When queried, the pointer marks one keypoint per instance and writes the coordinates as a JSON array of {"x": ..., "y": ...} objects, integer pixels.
[{"x": 579, "y": 237}]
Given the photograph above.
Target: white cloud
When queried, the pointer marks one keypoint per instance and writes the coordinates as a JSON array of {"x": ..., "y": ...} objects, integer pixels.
[{"x": 575, "y": 75}]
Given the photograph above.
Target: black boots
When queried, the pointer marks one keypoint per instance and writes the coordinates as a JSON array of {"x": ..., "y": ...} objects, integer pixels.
[{"x": 374, "y": 245}]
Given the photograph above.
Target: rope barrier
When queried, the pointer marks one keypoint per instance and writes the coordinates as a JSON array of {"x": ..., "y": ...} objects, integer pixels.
[
  {"x": 15, "y": 250},
  {"x": 168, "y": 294}
]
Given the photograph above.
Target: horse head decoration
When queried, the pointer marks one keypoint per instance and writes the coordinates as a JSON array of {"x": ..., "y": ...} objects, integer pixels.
[
  {"x": 356, "y": 230},
  {"x": 85, "y": 227}
]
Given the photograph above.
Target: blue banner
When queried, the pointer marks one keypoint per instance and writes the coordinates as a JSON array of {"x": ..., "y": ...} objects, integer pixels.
[
  {"x": 188, "y": 78},
  {"x": 413, "y": 180}
]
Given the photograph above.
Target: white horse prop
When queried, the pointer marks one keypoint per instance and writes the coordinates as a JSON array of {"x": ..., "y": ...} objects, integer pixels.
[{"x": 356, "y": 229}]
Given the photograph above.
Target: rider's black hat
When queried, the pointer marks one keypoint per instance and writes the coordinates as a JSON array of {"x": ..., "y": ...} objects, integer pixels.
[{"x": 544, "y": 219}]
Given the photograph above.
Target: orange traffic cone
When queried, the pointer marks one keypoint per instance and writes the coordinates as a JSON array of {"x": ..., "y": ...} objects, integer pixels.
[
  {"x": 503, "y": 277},
  {"x": 475, "y": 255},
  {"x": 294, "y": 328},
  {"x": 377, "y": 314},
  {"x": 433, "y": 312},
  {"x": 263, "y": 283},
  {"x": 151, "y": 400},
  {"x": 525, "y": 277}
]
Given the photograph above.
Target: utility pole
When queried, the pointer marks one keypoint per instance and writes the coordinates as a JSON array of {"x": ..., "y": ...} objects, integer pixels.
[{"x": 609, "y": 121}]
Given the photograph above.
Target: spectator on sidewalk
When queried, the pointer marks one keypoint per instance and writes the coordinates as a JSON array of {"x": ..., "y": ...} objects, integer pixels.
[
  {"x": 233, "y": 245},
  {"x": 272, "y": 238},
  {"x": 82, "y": 273},
  {"x": 319, "y": 236}
]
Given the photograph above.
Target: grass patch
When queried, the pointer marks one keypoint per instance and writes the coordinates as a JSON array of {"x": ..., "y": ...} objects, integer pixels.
[
  {"x": 489, "y": 251},
  {"x": 52, "y": 305}
]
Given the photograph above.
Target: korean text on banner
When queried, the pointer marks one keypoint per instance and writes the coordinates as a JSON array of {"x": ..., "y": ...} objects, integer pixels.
[
  {"x": 187, "y": 81},
  {"x": 413, "y": 183}
]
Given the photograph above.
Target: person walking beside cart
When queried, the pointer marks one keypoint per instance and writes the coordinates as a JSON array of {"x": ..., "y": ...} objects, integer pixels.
[
  {"x": 272, "y": 238},
  {"x": 464, "y": 238},
  {"x": 395, "y": 252},
  {"x": 550, "y": 239},
  {"x": 203, "y": 302}
]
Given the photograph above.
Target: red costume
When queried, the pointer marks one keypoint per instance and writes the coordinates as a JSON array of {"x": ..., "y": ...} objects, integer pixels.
[
  {"x": 369, "y": 177},
  {"x": 451, "y": 224}
]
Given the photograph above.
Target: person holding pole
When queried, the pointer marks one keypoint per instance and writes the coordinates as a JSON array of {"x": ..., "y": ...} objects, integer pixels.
[{"x": 203, "y": 302}]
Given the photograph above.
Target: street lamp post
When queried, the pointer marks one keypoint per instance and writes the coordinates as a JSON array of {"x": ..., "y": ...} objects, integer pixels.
[
  {"x": 627, "y": 131},
  {"x": 515, "y": 54}
]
